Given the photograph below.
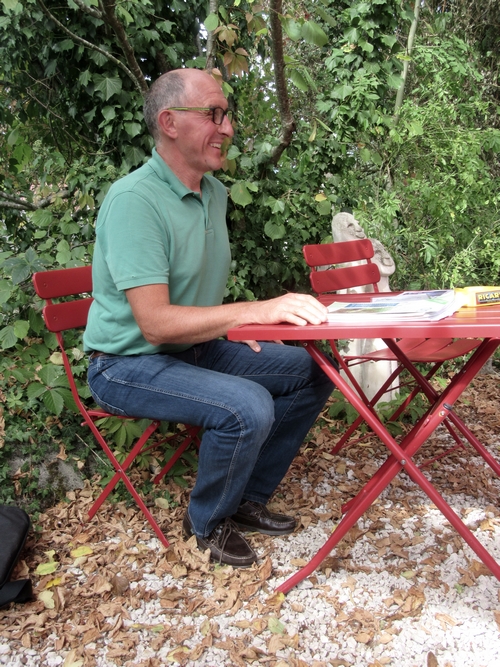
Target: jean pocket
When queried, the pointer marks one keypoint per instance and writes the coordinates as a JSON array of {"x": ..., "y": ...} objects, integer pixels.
[
  {"x": 105, "y": 392},
  {"x": 104, "y": 405}
]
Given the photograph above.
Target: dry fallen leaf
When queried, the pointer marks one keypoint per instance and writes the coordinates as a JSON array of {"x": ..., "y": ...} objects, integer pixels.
[
  {"x": 432, "y": 660},
  {"x": 47, "y": 597},
  {"x": 119, "y": 584},
  {"x": 275, "y": 625},
  {"x": 71, "y": 660},
  {"x": 81, "y": 551}
]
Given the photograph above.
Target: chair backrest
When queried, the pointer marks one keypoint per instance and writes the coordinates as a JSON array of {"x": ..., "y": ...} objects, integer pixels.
[
  {"x": 66, "y": 315},
  {"x": 51, "y": 285},
  {"x": 328, "y": 276}
]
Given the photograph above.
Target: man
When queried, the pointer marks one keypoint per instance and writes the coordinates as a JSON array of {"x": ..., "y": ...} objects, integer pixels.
[{"x": 160, "y": 268}]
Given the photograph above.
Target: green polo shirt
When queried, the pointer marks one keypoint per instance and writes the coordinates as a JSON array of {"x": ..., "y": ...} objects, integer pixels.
[{"x": 152, "y": 229}]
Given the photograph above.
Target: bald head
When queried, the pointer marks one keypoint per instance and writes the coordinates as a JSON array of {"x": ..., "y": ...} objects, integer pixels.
[{"x": 172, "y": 89}]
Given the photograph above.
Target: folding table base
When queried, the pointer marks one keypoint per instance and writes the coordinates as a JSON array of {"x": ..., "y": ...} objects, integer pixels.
[{"x": 401, "y": 456}]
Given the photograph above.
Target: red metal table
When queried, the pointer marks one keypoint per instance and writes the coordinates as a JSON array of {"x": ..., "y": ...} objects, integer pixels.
[{"x": 481, "y": 323}]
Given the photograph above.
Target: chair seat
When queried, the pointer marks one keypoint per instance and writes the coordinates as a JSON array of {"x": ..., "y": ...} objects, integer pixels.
[{"x": 422, "y": 350}]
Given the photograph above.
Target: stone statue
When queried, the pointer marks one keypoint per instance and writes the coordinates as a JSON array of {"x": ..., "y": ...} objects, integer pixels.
[
  {"x": 385, "y": 263},
  {"x": 345, "y": 227},
  {"x": 370, "y": 375}
]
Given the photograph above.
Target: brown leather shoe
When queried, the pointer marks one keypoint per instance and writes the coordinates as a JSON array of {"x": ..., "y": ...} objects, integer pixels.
[
  {"x": 256, "y": 517},
  {"x": 225, "y": 542}
]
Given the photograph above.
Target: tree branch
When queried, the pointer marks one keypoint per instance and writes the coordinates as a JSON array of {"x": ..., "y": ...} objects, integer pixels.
[
  {"x": 409, "y": 48},
  {"x": 25, "y": 205},
  {"x": 211, "y": 41},
  {"x": 112, "y": 20},
  {"x": 91, "y": 46},
  {"x": 287, "y": 121},
  {"x": 89, "y": 10}
]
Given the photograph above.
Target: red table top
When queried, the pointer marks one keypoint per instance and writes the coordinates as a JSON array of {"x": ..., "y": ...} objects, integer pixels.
[{"x": 481, "y": 322}]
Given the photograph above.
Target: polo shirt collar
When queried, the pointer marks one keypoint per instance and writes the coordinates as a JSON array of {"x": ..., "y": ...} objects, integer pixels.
[{"x": 164, "y": 172}]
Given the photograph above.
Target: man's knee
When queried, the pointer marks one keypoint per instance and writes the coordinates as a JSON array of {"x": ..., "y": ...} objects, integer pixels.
[{"x": 254, "y": 410}]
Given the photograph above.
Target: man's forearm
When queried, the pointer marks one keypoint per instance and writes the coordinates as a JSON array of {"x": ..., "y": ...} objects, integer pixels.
[{"x": 162, "y": 322}]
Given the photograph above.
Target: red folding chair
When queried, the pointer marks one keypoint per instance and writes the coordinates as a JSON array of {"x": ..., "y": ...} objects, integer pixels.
[
  {"x": 329, "y": 274},
  {"x": 72, "y": 314}
]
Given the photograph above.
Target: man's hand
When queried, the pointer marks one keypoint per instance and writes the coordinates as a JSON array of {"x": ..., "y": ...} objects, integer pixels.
[
  {"x": 254, "y": 345},
  {"x": 298, "y": 309}
]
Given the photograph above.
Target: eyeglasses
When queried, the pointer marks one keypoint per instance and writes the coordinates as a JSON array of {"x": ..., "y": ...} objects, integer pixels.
[{"x": 218, "y": 113}]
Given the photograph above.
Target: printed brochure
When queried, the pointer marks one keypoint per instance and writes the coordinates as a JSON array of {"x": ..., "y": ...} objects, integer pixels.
[{"x": 431, "y": 305}]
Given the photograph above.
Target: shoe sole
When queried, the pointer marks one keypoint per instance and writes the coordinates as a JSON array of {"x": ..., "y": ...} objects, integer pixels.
[{"x": 253, "y": 529}]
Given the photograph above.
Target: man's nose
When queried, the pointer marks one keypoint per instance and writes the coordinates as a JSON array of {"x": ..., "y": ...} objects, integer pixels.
[{"x": 226, "y": 127}]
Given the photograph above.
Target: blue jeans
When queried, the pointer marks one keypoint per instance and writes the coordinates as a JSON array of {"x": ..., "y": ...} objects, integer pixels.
[{"x": 255, "y": 409}]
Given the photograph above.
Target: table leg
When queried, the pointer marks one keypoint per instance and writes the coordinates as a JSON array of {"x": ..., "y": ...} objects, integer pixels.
[{"x": 400, "y": 458}]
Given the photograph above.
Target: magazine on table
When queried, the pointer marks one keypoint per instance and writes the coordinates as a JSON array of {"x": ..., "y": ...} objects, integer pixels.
[{"x": 428, "y": 305}]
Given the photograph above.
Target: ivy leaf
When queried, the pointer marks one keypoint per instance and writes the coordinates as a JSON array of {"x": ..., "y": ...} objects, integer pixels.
[
  {"x": 276, "y": 205},
  {"x": 389, "y": 40},
  {"x": 240, "y": 194},
  {"x": 132, "y": 129},
  {"x": 134, "y": 155},
  {"x": 233, "y": 152},
  {"x": 366, "y": 46},
  {"x": 85, "y": 77},
  {"x": 352, "y": 35},
  {"x": 108, "y": 85},
  {"x": 313, "y": 34},
  {"x": 108, "y": 113}
]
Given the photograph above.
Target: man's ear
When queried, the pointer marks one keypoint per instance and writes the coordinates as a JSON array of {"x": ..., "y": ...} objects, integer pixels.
[{"x": 166, "y": 123}]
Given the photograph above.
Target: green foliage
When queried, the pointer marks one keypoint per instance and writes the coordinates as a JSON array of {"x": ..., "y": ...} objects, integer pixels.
[
  {"x": 71, "y": 87},
  {"x": 434, "y": 201}
]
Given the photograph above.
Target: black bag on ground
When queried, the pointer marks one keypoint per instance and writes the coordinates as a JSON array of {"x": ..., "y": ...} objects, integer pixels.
[{"x": 14, "y": 527}]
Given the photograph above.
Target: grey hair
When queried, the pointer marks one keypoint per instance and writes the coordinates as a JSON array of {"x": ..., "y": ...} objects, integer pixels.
[{"x": 168, "y": 90}]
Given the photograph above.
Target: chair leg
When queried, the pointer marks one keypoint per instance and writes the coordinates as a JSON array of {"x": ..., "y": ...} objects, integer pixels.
[{"x": 191, "y": 435}]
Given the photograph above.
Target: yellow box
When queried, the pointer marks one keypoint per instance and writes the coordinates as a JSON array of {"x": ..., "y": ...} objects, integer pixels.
[{"x": 480, "y": 296}]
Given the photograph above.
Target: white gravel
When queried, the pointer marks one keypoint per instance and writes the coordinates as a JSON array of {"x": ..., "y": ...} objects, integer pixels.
[{"x": 459, "y": 623}]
